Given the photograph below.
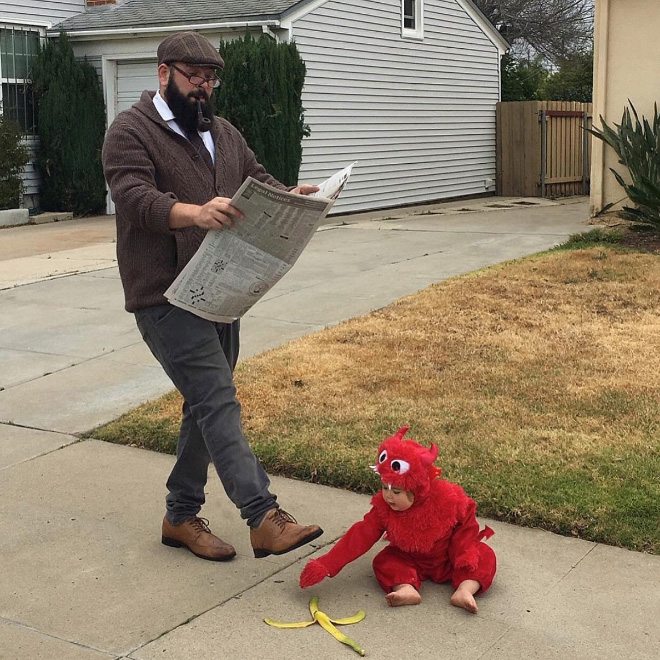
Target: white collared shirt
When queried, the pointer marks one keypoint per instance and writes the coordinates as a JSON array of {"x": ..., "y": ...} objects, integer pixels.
[{"x": 165, "y": 112}]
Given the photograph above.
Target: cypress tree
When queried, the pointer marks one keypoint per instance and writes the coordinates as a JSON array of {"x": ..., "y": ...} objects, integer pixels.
[
  {"x": 262, "y": 97},
  {"x": 71, "y": 126}
]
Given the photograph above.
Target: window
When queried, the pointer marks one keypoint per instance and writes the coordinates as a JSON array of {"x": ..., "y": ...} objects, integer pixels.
[
  {"x": 18, "y": 47},
  {"x": 412, "y": 19}
]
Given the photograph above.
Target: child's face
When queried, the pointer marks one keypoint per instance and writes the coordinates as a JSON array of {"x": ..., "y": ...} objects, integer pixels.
[{"x": 397, "y": 499}]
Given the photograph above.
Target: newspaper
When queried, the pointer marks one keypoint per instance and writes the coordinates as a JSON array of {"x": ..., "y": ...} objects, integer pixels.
[
  {"x": 233, "y": 269},
  {"x": 332, "y": 187}
]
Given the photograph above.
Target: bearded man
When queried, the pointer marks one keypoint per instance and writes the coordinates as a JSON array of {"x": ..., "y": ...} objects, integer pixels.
[{"x": 172, "y": 168}]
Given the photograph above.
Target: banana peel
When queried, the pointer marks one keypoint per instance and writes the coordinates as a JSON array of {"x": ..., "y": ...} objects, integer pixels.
[{"x": 326, "y": 623}]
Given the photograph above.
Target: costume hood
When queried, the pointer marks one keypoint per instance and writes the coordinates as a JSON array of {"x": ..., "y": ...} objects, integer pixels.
[{"x": 407, "y": 465}]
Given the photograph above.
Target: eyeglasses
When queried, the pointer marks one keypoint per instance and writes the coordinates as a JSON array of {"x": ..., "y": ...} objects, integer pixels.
[{"x": 198, "y": 81}]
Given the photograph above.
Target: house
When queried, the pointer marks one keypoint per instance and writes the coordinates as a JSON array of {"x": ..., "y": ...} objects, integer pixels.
[
  {"x": 406, "y": 87},
  {"x": 621, "y": 73},
  {"x": 22, "y": 25}
]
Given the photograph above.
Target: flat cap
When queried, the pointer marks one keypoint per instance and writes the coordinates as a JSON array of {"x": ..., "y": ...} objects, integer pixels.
[{"x": 191, "y": 48}]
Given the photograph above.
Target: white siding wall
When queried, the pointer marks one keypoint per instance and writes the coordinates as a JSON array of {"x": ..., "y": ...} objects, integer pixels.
[
  {"x": 39, "y": 12},
  {"x": 418, "y": 116}
]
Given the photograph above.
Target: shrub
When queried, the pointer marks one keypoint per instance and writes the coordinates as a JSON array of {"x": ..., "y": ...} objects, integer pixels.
[
  {"x": 71, "y": 126},
  {"x": 14, "y": 157},
  {"x": 261, "y": 96},
  {"x": 637, "y": 144},
  {"x": 521, "y": 79},
  {"x": 573, "y": 81}
]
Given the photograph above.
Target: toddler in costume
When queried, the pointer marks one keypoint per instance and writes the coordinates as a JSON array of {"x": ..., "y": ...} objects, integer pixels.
[{"x": 431, "y": 527}]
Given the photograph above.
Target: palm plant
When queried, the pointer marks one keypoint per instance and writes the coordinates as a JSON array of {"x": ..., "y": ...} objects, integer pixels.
[{"x": 637, "y": 144}]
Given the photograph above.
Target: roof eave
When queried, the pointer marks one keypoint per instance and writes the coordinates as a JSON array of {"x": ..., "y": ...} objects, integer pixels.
[
  {"x": 162, "y": 29},
  {"x": 498, "y": 40}
]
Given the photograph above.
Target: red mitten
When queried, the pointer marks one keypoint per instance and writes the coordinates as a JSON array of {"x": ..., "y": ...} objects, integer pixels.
[{"x": 313, "y": 573}]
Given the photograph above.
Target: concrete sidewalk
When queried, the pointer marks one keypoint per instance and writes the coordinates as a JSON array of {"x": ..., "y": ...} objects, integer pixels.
[{"x": 83, "y": 572}]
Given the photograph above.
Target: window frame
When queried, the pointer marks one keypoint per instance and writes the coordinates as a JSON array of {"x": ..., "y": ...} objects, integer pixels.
[
  {"x": 26, "y": 111},
  {"x": 415, "y": 33}
]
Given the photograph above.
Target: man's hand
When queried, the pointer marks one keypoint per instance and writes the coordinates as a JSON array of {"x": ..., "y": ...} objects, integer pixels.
[
  {"x": 218, "y": 213},
  {"x": 215, "y": 214},
  {"x": 305, "y": 189}
]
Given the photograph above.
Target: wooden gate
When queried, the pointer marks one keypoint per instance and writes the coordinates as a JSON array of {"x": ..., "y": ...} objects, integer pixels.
[{"x": 543, "y": 149}]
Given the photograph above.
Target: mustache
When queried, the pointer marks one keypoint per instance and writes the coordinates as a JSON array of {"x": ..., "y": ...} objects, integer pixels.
[{"x": 198, "y": 95}]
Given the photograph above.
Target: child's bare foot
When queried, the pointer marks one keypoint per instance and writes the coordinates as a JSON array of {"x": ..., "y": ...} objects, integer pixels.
[
  {"x": 403, "y": 594},
  {"x": 464, "y": 596}
]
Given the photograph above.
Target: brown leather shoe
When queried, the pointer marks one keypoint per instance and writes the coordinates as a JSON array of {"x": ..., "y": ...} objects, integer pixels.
[
  {"x": 279, "y": 533},
  {"x": 195, "y": 535}
]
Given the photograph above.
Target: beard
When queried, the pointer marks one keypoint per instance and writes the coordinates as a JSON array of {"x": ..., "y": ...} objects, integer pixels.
[{"x": 184, "y": 106}]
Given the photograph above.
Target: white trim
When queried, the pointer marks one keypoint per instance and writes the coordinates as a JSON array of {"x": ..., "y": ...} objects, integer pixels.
[
  {"x": 287, "y": 34},
  {"x": 290, "y": 16},
  {"x": 499, "y": 79},
  {"x": 287, "y": 26},
  {"x": 5, "y": 22},
  {"x": 109, "y": 73},
  {"x": 416, "y": 33},
  {"x": 164, "y": 29},
  {"x": 486, "y": 26},
  {"x": 266, "y": 30},
  {"x": 599, "y": 108},
  {"x": 23, "y": 27}
]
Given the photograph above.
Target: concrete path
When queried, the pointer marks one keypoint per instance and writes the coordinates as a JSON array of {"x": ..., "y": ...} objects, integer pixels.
[{"x": 84, "y": 575}]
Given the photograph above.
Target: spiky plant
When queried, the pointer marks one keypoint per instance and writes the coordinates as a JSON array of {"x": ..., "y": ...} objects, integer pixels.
[{"x": 637, "y": 144}]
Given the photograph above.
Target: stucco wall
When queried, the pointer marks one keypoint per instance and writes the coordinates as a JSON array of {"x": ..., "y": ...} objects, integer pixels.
[{"x": 627, "y": 66}]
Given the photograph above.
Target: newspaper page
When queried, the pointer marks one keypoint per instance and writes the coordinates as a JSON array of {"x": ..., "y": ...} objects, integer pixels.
[
  {"x": 233, "y": 269},
  {"x": 331, "y": 188}
]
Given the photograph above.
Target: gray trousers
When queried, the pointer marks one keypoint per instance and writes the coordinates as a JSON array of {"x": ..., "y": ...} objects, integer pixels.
[{"x": 199, "y": 356}]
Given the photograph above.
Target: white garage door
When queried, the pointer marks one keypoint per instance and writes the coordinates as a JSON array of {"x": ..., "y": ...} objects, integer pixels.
[{"x": 133, "y": 77}]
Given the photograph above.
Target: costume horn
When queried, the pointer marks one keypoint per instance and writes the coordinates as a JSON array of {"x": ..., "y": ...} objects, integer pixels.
[
  {"x": 429, "y": 456},
  {"x": 400, "y": 433}
]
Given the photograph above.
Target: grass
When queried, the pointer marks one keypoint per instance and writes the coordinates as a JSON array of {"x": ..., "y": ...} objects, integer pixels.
[{"x": 537, "y": 379}]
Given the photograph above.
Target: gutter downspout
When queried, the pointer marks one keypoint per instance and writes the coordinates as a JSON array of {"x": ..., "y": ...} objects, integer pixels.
[
  {"x": 266, "y": 30},
  {"x": 164, "y": 29}
]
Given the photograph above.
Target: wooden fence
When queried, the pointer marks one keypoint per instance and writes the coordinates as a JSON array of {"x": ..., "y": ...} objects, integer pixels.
[{"x": 543, "y": 149}]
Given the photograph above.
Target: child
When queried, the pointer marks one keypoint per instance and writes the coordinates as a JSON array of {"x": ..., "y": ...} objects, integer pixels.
[{"x": 430, "y": 525}]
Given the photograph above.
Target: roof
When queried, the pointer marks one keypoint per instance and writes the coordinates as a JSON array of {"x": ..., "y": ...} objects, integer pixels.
[
  {"x": 147, "y": 15},
  {"x": 129, "y": 14}
]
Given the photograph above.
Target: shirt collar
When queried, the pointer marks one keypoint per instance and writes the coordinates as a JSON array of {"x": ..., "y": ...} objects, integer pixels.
[
  {"x": 164, "y": 111},
  {"x": 162, "y": 107}
]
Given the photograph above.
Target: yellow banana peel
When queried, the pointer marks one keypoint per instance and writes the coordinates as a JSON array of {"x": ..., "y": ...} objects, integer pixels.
[
  {"x": 326, "y": 623},
  {"x": 295, "y": 624}
]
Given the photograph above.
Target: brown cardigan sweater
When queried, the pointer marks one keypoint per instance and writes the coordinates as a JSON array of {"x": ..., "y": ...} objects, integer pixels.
[{"x": 149, "y": 168}]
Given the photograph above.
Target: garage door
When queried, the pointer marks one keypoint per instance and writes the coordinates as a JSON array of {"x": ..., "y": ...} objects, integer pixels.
[{"x": 133, "y": 77}]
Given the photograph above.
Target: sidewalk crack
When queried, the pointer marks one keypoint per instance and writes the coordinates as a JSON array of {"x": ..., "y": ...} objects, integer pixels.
[
  {"x": 88, "y": 647},
  {"x": 277, "y": 570},
  {"x": 572, "y": 568}
]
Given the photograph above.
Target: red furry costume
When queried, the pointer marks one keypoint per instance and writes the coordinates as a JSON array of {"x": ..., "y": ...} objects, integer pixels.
[{"x": 437, "y": 538}]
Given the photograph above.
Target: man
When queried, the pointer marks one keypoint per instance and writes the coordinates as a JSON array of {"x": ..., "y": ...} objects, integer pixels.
[{"x": 172, "y": 168}]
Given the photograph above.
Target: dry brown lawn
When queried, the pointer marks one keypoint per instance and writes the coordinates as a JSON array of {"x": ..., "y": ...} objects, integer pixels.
[{"x": 538, "y": 380}]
